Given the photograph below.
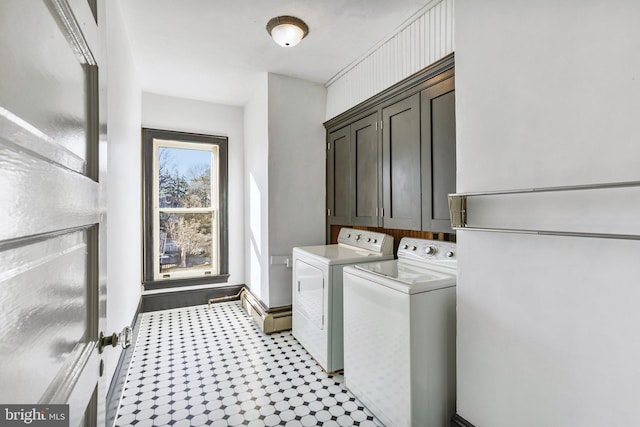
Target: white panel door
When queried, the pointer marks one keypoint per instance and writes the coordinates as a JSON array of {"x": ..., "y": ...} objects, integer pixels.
[{"x": 52, "y": 210}]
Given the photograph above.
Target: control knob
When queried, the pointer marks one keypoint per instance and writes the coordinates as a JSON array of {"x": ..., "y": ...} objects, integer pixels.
[
  {"x": 413, "y": 248},
  {"x": 450, "y": 254},
  {"x": 430, "y": 250},
  {"x": 405, "y": 247},
  {"x": 358, "y": 237}
]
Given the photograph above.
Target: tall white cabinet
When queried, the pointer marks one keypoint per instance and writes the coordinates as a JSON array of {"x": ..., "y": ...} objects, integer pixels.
[{"x": 547, "y": 328}]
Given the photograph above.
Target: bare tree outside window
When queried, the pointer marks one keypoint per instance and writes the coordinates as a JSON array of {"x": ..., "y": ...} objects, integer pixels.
[{"x": 184, "y": 183}]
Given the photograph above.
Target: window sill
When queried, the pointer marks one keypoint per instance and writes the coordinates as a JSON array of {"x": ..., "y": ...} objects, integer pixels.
[{"x": 180, "y": 283}]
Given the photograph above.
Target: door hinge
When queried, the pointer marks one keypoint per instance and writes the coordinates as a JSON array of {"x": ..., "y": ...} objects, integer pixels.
[
  {"x": 376, "y": 125},
  {"x": 458, "y": 210},
  {"x": 382, "y": 212},
  {"x": 377, "y": 212},
  {"x": 380, "y": 124},
  {"x": 328, "y": 146},
  {"x": 328, "y": 212}
]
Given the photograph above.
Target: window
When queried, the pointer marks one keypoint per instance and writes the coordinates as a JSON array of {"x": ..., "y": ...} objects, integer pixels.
[{"x": 185, "y": 209}]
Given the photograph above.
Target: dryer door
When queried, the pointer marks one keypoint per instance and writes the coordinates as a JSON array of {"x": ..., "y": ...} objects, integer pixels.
[{"x": 309, "y": 294}]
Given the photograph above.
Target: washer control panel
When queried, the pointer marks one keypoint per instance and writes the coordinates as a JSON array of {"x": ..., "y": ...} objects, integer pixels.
[
  {"x": 369, "y": 240},
  {"x": 424, "y": 249}
]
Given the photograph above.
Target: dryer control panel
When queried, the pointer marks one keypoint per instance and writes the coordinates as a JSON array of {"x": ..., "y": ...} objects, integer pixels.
[
  {"x": 426, "y": 250},
  {"x": 369, "y": 240}
]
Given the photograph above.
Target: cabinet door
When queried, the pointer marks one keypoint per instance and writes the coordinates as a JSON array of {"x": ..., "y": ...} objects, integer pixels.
[
  {"x": 438, "y": 154},
  {"x": 339, "y": 177},
  {"x": 364, "y": 150},
  {"x": 401, "y": 164}
]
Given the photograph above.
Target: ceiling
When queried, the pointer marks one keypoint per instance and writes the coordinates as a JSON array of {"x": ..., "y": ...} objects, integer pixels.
[{"x": 214, "y": 50}]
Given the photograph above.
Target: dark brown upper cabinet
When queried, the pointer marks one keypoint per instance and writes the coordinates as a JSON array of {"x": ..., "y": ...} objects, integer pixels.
[
  {"x": 401, "y": 164},
  {"x": 364, "y": 166},
  {"x": 339, "y": 176},
  {"x": 438, "y": 128},
  {"x": 352, "y": 173},
  {"x": 391, "y": 161}
]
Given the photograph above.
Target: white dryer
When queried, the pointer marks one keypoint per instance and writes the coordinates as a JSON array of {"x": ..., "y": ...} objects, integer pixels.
[
  {"x": 317, "y": 290},
  {"x": 400, "y": 334}
]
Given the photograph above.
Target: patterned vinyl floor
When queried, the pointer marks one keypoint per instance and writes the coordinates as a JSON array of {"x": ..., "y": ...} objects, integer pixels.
[{"x": 199, "y": 367}]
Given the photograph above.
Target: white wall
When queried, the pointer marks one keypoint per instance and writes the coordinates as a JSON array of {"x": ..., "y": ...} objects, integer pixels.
[
  {"x": 123, "y": 185},
  {"x": 285, "y": 180},
  {"x": 178, "y": 114},
  {"x": 547, "y": 94},
  {"x": 256, "y": 164},
  {"x": 297, "y": 159},
  {"x": 421, "y": 41}
]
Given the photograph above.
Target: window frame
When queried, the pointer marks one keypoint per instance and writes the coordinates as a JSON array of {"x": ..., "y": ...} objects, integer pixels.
[{"x": 148, "y": 218}]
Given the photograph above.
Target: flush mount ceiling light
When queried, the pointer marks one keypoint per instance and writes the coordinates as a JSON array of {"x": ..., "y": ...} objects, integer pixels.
[{"x": 287, "y": 31}]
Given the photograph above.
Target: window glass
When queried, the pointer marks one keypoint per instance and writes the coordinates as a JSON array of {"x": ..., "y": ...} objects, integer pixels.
[
  {"x": 184, "y": 177},
  {"x": 187, "y": 243}
]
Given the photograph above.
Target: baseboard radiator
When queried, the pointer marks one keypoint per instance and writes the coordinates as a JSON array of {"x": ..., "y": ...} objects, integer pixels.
[{"x": 269, "y": 320}]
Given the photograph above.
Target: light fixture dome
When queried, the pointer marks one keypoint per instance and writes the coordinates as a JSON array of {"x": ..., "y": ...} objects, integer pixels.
[{"x": 287, "y": 31}]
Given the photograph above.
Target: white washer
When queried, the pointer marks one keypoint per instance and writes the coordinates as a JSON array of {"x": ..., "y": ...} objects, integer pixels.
[
  {"x": 399, "y": 334},
  {"x": 317, "y": 290}
]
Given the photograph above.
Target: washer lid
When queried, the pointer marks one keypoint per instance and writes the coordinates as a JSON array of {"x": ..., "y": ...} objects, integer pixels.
[
  {"x": 339, "y": 254},
  {"x": 406, "y": 277}
]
